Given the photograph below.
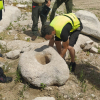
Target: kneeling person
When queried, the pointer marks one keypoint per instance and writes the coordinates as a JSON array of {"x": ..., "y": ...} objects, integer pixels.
[{"x": 64, "y": 28}]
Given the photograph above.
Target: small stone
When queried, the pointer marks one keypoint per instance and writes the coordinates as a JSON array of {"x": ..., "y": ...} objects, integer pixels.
[
  {"x": 89, "y": 42},
  {"x": 94, "y": 50},
  {"x": 48, "y": 88},
  {"x": 82, "y": 46},
  {"x": 27, "y": 38},
  {"x": 79, "y": 93},
  {"x": 44, "y": 98},
  {"x": 93, "y": 95},
  {"x": 87, "y": 47},
  {"x": 91, "y": 54},
  {"x": 21, "y": 6},
  {"x": 4, "y": 98},
  {"x": 85, "y": 60},
  {"x": 65, "y": 96},
  {"x": 15, "y": 37}
]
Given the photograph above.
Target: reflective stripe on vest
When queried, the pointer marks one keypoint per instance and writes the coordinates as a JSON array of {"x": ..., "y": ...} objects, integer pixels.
[
  {"x": 60, "y": 21},
  {"x": 1, "y": 5}
]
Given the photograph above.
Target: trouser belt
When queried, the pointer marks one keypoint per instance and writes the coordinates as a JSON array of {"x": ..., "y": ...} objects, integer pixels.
[{"x": 38, "y": 4}]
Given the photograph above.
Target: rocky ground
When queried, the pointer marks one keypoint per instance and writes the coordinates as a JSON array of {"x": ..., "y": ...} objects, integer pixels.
[{"x": 84, "y": 84}]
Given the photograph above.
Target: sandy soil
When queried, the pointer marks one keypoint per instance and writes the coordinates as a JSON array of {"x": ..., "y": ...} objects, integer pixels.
[{"x": 84, "y": 84}]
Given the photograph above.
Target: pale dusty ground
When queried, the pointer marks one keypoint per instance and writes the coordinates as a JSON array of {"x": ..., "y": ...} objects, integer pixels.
[{"x": 87, "y": 70}]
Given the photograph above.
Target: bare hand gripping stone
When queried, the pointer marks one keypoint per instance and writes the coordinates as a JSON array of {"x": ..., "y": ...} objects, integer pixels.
[{"x": 43, "y": 65}]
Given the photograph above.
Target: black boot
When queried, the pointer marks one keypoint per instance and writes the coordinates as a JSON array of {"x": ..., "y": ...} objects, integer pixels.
[
  {"x": 3, "y": 78},
  {"x": 0, "y": 55},
  {"x": 72, "y": 66}
]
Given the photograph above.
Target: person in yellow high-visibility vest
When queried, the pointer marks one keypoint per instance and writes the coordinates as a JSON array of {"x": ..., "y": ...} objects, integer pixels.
[
  {"x": 3, "y": 77},
  {"x": 1, "y": 7},
  {"x": 64, "y": 28}
]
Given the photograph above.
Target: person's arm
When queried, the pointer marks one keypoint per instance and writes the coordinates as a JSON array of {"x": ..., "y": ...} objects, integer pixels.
[
  {"x": 58, "y": 46},
  {"x": 51, "y": 42},
  {"x": 64, "y": 49}
]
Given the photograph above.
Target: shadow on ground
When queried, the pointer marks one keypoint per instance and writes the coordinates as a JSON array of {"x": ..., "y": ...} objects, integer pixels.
[
  {"x": 28, "y": 33},
  {"x": 86, "y": 71}
]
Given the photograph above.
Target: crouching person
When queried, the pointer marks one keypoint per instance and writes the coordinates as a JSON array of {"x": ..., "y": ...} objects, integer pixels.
[{"x": 65, "y": 28}]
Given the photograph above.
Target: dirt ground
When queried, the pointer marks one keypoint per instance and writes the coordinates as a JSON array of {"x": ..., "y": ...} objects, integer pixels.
[
  {"x": 84, "y": 84},
  {"x": 89, "y": 5}
]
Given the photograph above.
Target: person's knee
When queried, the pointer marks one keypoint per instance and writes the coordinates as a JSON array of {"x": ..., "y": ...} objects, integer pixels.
[{"x": 70, "y": 48}]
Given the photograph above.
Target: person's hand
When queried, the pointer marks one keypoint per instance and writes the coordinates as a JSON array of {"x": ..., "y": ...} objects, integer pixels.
[{"x": 49, "y": 2}]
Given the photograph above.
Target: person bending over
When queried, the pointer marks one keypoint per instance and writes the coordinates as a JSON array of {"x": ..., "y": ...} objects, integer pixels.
[{"x": 65, "y": 28}]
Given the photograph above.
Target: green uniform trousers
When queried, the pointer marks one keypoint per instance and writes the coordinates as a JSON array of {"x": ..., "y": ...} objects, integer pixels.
[
  {"x": 36, "y": 12},
  {"x": 68, "y": 4}
]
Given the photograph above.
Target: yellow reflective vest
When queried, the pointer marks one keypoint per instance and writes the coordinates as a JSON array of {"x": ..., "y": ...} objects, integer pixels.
[
  {"x": 1, "y": 4},
  {"x": 60, "y": 21}
]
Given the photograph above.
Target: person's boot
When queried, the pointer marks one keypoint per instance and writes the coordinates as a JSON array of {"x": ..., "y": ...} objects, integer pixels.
[
  {"x": 72, "y": 66},
  {"x": 4, "y": 79},
  {"x": 34, "y": 38},
  {"x": 0, "y": 55}
]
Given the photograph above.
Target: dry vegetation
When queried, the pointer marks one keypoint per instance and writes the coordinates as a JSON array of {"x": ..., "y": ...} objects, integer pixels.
[{"x": 84, "y": 84}]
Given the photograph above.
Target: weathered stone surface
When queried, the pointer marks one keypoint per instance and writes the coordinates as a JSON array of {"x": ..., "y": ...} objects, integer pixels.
[
  {"x": 11, "y": 14},
  {"x": 87, "y": 47},
  {"x": 81, "y": 40},
  {"x": 89, "y": 42},
  {"x": 13, "y": 54},
  {"x": 3, "y": 43},
  {"x": 44, "y": 98},
  {"x": 2, "y": 64},
  {"x": 82, "y": 46},
  {"x": 24, "y": 46},
  {"x": 43, "y": 65},
  {"x": 27, "y": 38},
  {"x": 19, "y": 1},
  {"x": 90, "y": 46},
  {"x": 19, "y": 44},
  {"x": 94, "y": 50},
  {"x": 24, "y": 49},
  {"x": 91, "y": 24},
  {"x": 21, "y": 6}
]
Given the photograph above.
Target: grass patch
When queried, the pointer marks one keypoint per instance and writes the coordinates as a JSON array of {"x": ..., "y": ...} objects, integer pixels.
[
  {"x": 76, "y": 9},
  {"x": 4, "y": 49},
  {"x": 88, "y": 53},
  {"x": 99, "y": 50},
  {"x": 1, "y": 97},
  {"x": 93, "y": 8},
  {"x": 59, "y": 12},
  {"x": 1, "y": 38},
  {"x": 21, "y": 92},
  {"x": 58, "y": 96},
  {"x": 42, "y": 85},
  {"x": 10, "y": 27},
  {"x": 28, "y": 40},
  {"x": 15, "y": 3},
  {"x": 18, "y": 76}
]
